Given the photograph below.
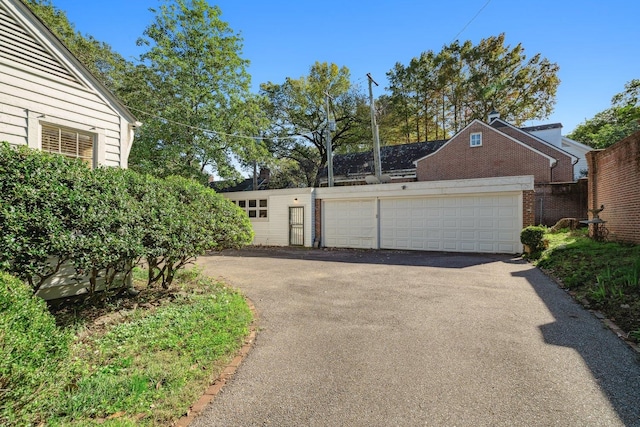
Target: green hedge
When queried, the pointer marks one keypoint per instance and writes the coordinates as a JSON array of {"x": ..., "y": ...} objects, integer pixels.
[
  {"x": 55, "y": 210},
  {"x": 191, "y": 220},
  {"x": 38, "y": 199},
  {"x": 31, "y": 350}
]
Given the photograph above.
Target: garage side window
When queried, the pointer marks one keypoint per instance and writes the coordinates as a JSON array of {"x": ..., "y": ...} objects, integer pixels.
[
  {"x": 68, "y": 142},
  {"x": 475, "y": 139},
  {"x": 255, "y": 208}
]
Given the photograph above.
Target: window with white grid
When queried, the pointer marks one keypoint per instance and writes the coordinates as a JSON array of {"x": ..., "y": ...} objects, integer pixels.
[{"x": 475, "y": 140}]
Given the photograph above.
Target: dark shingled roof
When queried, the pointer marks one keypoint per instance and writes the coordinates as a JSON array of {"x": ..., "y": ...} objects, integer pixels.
[
  {"x": 392, "y": 157},
  {"x": 542, "y": 127},
  {"x": 246, "y": 185}
]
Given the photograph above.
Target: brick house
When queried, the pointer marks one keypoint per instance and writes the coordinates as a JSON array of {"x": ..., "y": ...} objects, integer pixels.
[
  {"x": 483, "y": 150},
  {"x": 552, "y": 133},
  {"x": 499, "y": 149}
]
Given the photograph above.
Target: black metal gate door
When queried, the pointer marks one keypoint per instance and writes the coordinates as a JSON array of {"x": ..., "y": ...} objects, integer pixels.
[{"x": 296, "y": 226}]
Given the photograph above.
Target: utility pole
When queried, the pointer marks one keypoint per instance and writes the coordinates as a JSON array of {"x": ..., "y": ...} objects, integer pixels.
[
  {"x": 255, "y": 176},
  {"x": 330, "y": 127},
  {"x": 255, "y": 167},
  {"x": 377, "y": 164}
]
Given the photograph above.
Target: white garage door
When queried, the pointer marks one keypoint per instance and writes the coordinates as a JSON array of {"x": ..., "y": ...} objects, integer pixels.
[
  {"x": 479, "y": 223},
  {"x": 350, "y": 224}
]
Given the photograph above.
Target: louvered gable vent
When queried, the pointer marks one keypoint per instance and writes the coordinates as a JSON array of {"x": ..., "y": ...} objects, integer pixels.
[{"x": 18, "y": 46}]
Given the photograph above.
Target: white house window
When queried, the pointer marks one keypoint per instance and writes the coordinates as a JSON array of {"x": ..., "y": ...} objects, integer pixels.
[
  {"x": 68, "y": 142},
  {"x": 475, "y": 140},
  {"x": 255, "y": 208}
]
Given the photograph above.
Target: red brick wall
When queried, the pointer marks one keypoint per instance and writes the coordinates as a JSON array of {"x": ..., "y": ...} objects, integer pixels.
[
  {"x": 563, "y": 171},
  {"x": 555, "y": 201},
  {"x": 498, "y": 156},
  {"x": 528, "y": 208},
  {"x": 614, "y": 181}
]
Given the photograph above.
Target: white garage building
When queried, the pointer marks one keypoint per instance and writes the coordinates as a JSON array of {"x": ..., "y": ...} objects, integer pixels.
[{"x": 473, "y": 215}]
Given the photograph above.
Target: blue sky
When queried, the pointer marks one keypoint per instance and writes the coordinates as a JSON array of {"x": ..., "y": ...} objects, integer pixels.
[{"x": 595, "y": 43}]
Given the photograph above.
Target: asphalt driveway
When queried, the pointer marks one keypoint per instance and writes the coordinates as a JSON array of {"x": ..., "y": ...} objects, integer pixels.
[{"x": 386, "y": 338}]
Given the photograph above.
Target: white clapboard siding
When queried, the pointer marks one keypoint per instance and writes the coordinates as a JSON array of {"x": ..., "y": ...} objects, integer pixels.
[
  {"x": 67, "y": 283},
  {"x": 88, "y": 105},
  {"x": 12, "y": 123},
  {"x": 52, "y": 102},
  {"x": 41, "y": 82}
]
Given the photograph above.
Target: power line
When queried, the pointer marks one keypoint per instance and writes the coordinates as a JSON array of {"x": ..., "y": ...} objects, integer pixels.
[
  {"x": 231, "y": 135},
  {"x": 462, "y": 30},
  {"x": 470, "y": 21}
]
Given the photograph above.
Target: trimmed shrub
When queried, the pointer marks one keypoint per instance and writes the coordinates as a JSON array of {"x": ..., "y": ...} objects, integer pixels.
[
  {"x": 55, "y": 210},
  {"x": 107, "y": 229},
  {"x": 195, "y": 220},
  {"x": 31, "y": 349},
  {"x": 38, "y": 195},
  {"x": 533, "y": 237}
]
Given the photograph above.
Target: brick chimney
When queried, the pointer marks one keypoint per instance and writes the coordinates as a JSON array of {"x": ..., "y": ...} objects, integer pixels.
[{"x": 265, "y": 173}]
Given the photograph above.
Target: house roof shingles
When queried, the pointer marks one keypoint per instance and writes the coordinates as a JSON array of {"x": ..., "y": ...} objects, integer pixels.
[
  {"x": 244, "y": 185},
  {"x": 542, "y": 127},
  {"x": 392, "y": 158}
]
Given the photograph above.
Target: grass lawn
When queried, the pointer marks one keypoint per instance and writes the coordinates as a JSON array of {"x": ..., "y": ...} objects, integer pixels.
[
  {"x": 138, "y": 361},
  {"x": 603, "y": 275}
]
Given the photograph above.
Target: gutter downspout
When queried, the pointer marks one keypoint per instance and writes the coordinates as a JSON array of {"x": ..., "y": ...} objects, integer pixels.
[
  {"x": 573, "y": 165},
  {"x": 553, "y": 165}
]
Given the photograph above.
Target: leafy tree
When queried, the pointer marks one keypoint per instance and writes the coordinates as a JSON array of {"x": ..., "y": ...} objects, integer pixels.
[
  {"x": 411, "y": 103},
  {"x": 615, "y": 123},
  {"x": 503, "y": 79},
  {"x": 299, "y": 118},
  {"x": 287, "y": 173},
  {"x": 437, "y": 94},
  {"x": 197, "y": 91}
]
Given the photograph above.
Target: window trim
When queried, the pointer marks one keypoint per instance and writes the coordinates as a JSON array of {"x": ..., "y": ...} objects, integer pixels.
[
  {"x": 36, "y": 119},
  {"x": 471, "y": 144}
]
